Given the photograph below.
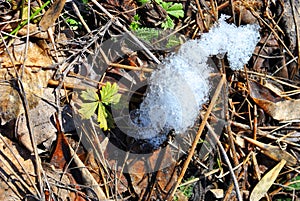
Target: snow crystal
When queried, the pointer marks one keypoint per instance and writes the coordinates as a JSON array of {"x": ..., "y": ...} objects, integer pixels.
[
  {"x": 176, "y": 92},
  {"x": 238, "y": 42},
  {"x": 181, "y": 85}
]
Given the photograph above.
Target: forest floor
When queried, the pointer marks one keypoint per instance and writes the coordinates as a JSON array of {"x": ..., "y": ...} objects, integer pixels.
[{"x": 76, "y": 71}]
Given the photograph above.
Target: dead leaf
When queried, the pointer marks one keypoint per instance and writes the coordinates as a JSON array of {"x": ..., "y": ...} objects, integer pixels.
[
  {"x": 61, "y": 154},
  {"x": 33, "y": 80},
  {"x": 13, "y": 177},
  {"x": 43, "y": 129},
  {"x": 52, "y": 14},
  {"x": 36, "y": 56},
  {"x": 274, "y": 152},
  {"x": 277, "y": 107},
  {"x": 164, "y": 179},
  {"x": 64, "y": 154},
  {"x": 266, "y": 182}
]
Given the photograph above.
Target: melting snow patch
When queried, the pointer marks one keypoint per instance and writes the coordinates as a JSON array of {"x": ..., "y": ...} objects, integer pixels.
[
  {"x": 181, "y": 85},
  {"x": 237, "y": 42}
]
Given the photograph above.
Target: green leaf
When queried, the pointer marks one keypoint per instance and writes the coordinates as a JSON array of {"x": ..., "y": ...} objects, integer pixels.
[
  {"x": 176, "y": 10},
  {"x": 159, "y": 1},
  {"x": 109, "y": 94},
  {"x": 102, "y": 116},
  {"x": 168, "y": 24},
  {"x": 89, "y": 95},
  {"x": 143, "y": 1},
  {"x": 295, "y": 184},
  {"x": 88, "y": 109},
  {"x": 136, "y": 17},
  {"x": 166, "y": 5}
]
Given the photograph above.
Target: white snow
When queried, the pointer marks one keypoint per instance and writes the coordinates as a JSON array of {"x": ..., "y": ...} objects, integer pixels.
[
  {"x": 238, "y": 42},
  {"x": 180, "y": 86}
]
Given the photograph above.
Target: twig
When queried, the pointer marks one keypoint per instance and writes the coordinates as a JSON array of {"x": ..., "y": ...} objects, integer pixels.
[
  {"x": 146, "y": 70},
  {"x": 14, "y": 172},
  {"x": 77, "y": 12},
  {"x": 22, "y": 93},
  {"x": 117, "y": 22},
  {"x": 38, "y": 164},
  {"x": 197, "y": 137},
  {"x": 235, "y": 182}
]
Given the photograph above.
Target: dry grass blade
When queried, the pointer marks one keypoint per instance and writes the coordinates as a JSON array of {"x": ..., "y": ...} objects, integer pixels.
[{"x": 266, "y": 182}]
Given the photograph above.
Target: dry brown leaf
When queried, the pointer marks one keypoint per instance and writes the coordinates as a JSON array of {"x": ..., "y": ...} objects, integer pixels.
[
  {"x": 33, "y": 81},
  {"x": 36, "y": 56},
  {"x": 52, "y": 14},
  {"x": 274, "y": 152},
  {"x": 43, "y": 129},
  {"x": 10, "y": 102},
  {"x": 64, "y": 154},
  {"x": 266, "y": 182},
  {"x": 165, "y": 178},
  {"x": 9, "y": 165},
  {"x": 277, "y": 107}
]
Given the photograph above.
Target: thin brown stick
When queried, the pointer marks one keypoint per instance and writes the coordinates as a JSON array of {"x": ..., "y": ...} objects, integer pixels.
[
  {"x": 118, "y": 23},
  {"x": 146, "y": 70},
  {"x": 255, "y": 122},
  {"x": 198, "y": 135},
  {"x": 235, "y": 181}
]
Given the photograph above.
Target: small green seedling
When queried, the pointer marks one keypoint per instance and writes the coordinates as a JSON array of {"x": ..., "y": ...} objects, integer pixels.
[
  {"x": 172, "y": 9},
  {"x": 135, "y": 24},
  {"x": 108, "y": 96},
  {"x": 74, "y": 24}
]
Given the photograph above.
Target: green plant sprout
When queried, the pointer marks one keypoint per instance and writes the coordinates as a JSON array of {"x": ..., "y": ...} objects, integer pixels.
[
  {"x": 135, "y": 24},
  {"x": 108, "y": 96},
  {"x": 153, "y": 35},
  {"x": 172, "y": 9},
  {"x": 74, "y": 24},
  {"x": 187, "y": 190}
]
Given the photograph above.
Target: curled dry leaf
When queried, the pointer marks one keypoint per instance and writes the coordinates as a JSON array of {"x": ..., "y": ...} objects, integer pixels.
[
  {"x": 275, "y": 153},
  {"x": 266, "y": 182},
  {"x": 277, "y": 107}
]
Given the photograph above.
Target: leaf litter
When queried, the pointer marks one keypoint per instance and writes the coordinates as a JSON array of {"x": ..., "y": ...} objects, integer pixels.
[{"x": 262, "y": 96}]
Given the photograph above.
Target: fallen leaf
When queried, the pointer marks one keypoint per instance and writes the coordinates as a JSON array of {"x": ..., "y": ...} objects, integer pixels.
[
  {"x": 274, "y": 152},
  {"x": 277, "y": 107},
  {"x": 64, "y": 154},
  {"x": 266, "y": 182},
  {"x": 33, "y": 81},
  {"x": 11, "y": 156},
  {"x": 43, "y": 129},
  {"x": 36, "y": 56},
  {"x": 52, "y": 14}
]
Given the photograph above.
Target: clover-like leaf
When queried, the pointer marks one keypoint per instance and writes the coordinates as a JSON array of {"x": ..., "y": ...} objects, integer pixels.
[
  {"x": 102, "y": 115},
  {"x": 168, "y": 24},
  {"x": 109, "y": 94},
  {"x": 88, "y": 109},
  {"x": 89, "y": 95},
  {"x": 176, "y": 10}
]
